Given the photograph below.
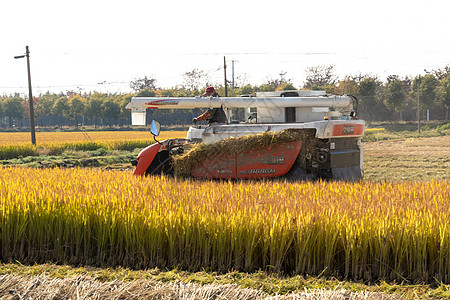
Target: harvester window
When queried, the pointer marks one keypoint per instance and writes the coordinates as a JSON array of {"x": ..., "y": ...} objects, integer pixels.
[
  {"x": 289, "y": 114},
  {"x": 289, "y": 94},
  {"x": 251, "y": 115}
]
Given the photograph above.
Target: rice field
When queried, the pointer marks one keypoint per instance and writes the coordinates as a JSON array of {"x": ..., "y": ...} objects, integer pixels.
[
  {"x": 50, "y": 138},
  {"x": 364, "y": 231},
  {"x": 17, "y": 144}
]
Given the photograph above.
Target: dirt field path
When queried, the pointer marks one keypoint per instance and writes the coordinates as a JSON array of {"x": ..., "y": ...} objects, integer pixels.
[{"x": 408, "y": 159}]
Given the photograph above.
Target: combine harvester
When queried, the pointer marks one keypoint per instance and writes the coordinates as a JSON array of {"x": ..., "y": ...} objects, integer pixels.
[{"x": 326, "y": 144}]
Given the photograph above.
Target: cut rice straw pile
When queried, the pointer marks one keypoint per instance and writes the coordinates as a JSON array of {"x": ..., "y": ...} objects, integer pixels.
[
  {"x": 183, "y": 164},
  {"x": 85, "y": 287}
]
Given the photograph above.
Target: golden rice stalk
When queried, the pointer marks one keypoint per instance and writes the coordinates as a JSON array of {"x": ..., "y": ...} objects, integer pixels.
[{"x": 363, "y": 231}]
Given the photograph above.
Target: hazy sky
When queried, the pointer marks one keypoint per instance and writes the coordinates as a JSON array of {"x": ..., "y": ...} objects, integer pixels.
[{"x": 76, "y": 45}]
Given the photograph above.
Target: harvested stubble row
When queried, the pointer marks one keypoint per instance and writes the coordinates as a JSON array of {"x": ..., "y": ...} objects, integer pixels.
[
  {"x": 84, "y": 287},
  {"x": 369, "y": 231}
]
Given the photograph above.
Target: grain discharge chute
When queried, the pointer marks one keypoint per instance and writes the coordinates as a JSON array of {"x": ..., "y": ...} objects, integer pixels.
[{"x": 297, "y": 135}]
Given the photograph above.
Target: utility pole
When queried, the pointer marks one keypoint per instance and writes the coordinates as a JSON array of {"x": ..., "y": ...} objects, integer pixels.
[
  {"x": 232, "y": 74},
  {"x": 225, "y": 76},
  {"x": 33, "y": 130},
  {"x": 281, "y": 76}
]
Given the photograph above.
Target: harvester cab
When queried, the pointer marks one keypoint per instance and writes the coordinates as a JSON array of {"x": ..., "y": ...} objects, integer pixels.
[{"x": 327, "y": 145}]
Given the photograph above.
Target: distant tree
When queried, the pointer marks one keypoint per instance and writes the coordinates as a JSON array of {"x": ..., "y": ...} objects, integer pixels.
[
  {"x": 430, "y": 93},
  {"x": 367, "y": 87},
  {"x": 26, "y": 107},
  {"x": 43, "y": 108},
  {"x": 407, "y": 85},
  {"x": 240, "y": 80},
  {"x": 146, "y": 93},
  {"x": 176, "y": 91},
  {"x": 143, "y": 83},
  {"x": 441, "y": 73},
  {"x": 245, "y": 90},
  {"x": 165, "y": 92},
  {"x": 427, "y": 88},
  {"x": 406, "y": 82},
  {"x": 320, "y": 76},
  {"x": 2, "y": 114},
  {"x": 274, "y": 84},
  {"x": 346, "y": 86},
  {"x": 196, "y": 79},
  {"x": 93, "y": 108},
  {"x": 61, "y": 107},
  {"x": 268, "y": 87},
  {"x": 123, "y": 101},
  {"x": 394, "y": 97},
  {"x": 392, "y": 78},
  {"x": 43, "y": 105},
  {"x": 329, "y": 88},
  {"x": 77, "y": 106},
  {"x": 13, "y": 109},
  {"x": 366, "y": 92},
  {"x": 110, "y": 110},
  {"x": 445, "y": 94},
  {"x": 285, "y": 87},
  {"x": 360, "y": 77}
]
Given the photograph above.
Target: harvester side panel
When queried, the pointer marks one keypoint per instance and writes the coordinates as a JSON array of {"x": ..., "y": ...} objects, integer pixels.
[
  {"x": 266, "y": 163},
  {"x": 263, "y": 163},
  {"x": 220, "y": 167}
]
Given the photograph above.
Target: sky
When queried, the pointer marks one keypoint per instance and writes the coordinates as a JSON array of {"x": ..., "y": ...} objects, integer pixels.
[{"x": 99, "y": 45}]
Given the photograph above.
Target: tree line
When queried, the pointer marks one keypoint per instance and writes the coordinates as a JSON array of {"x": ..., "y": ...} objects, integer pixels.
[{"x": 394, "y": 99}]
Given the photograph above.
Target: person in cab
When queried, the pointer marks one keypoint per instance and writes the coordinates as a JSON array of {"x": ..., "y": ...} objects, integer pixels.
[{"x": 212, "y": 115}]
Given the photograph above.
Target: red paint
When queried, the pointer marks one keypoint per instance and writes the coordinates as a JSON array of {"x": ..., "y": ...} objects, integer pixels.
[
  {"x": 348, "y": 129},
  {"x": 266, "y": 163},
  {"x": 163, "y": 102},
  {"x": 145, "y": 158},
  {"x": 223, "y": 167}
]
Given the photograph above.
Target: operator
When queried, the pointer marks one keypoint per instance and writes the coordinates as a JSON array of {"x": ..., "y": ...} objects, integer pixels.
[
  {"x": 210, "y": 92},
  {"x": 213, "y": 115}
]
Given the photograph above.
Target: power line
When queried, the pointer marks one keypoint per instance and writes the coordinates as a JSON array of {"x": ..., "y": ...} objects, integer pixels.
[
  {"x": 191, "y": 53},
  {"x": 65, "y": 86}
]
